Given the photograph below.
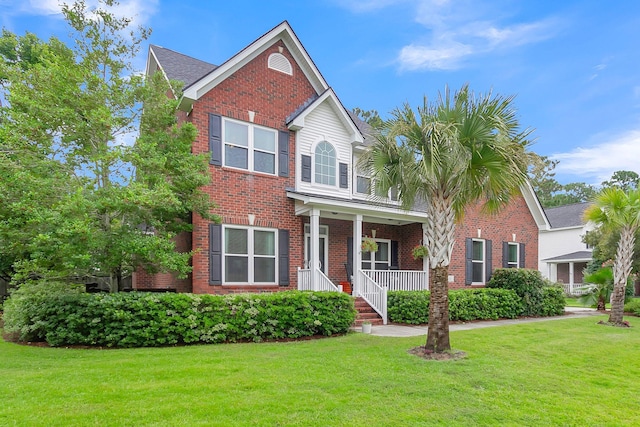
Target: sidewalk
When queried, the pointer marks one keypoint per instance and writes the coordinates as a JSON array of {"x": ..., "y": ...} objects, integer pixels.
[{"x": 413, "y": 331}]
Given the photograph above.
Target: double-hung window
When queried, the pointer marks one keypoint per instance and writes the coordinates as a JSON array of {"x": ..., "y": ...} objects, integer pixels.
[
  {"x": 249, "y": 255},
  {"x": 367, "y": 186},
  {"x": 513, "y": 254},
  {"x": 478, "y": 261},
  {"x": 249, "y": 147}
]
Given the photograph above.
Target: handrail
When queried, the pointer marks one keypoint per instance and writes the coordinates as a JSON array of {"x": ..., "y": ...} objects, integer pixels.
[
  {"x": 323, "y": 283},
  {"x": 315, "y": 281},
  {"x": 374, "y": 294}
]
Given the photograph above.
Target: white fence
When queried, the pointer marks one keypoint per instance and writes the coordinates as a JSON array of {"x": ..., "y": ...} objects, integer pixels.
[
  {"x": 374, "y": 294},
  {"x": 400, "y": 280},
  {"x": 576, "y": 288}
]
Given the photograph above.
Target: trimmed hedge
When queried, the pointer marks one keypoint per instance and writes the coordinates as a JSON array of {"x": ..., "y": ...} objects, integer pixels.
[
  {"x": 528, "y": 284},
  {"x": 633, "y": 307},
  {"x": 553, "y": 301},
  {"x": 466, "y": 304},
  {"x": 140, "y": 319}
]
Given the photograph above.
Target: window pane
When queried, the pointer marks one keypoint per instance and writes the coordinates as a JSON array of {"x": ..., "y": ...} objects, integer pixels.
[
  {"x": 383, "y": 251},
  {"x": 478, "y": 250},
  {"x": 236, "y": 133},
  {"x": 264, "y": 243},
  {"x": 264, "y": 162},
  {"x": 235, "y": 241},
  {"x": 236, "y": 269},
  {"x": 478, "y": 268},
  {"x": 236, "y": 157},
  {"x": 513, "y": 253},
  {"x": 264, "y": 140},
  {"x": 380, "y": 192},
  {"x": 264, "y": 270},
  {"x": 325, "y": 162},
  {"x": 366, "y": 256},
  {"x": 363, "y": 185},
  {"x": 394, "y": 194},
  {"x": 366, "y": 266}
]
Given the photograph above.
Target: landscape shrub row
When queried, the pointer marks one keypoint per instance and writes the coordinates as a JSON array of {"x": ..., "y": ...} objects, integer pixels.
[
  {"x": 633, "y": 307},
  {"x": 141, "y": 319},
  {"x": 464, "y": 305},
  {"x": 510, "y": 293}
]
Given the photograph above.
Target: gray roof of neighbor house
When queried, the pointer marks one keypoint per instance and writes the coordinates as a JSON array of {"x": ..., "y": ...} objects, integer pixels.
[
  {"x": 365, "y": 129},
  {"x": 567, "y": 216},
  {"x": 178, "y": 66},
  {"x": 573, "y": 256}
]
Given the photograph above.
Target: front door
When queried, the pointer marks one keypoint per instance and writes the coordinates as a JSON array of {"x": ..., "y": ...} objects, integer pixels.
[{"x": 323, "y": 244}]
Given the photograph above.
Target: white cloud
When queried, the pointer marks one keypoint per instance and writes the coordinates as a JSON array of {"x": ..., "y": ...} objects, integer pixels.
[
  {"x": 597, "y": 163},
  {"x": 457, "y": 31},
  {"x": 362, "y": 6},
  {"x": 139, "y": 10}
]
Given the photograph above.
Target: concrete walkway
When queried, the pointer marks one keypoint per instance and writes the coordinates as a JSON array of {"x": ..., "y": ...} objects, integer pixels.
[{"x": 413, "y": 331}]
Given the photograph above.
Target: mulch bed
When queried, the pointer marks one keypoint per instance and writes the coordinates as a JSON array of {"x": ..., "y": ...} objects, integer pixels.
[{"x": 423, "y": 353}]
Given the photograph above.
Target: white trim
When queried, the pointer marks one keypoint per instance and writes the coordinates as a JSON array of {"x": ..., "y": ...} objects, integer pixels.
[
  {"x": 251, "y": 150},
  {"x": 373, "y": 261},
  {"x": 278, "y": 62},
  {"x": 250, "y": 254},
  {"x": 323, "y": 231},
  {"x": 535, "y": 207},
  {"x": 336, "y": 167},
  {"x": 281, "y": 32},
  {"x": 483, "y": 262},
  {"x": 517, "y": 262}
]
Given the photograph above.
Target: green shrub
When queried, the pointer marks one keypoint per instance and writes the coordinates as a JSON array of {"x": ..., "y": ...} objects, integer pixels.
[
  {"x": 464, "y": 305},
  {"x": 142, "y": 319},
  {"x": 528, "y": 284},
  {"x": 23, "y": 316},
  {"x": 633, "y": 307},
  {"x": 553, "y": 301}
]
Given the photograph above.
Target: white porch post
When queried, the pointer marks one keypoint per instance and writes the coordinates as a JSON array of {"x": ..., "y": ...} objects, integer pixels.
[
  {"x": 425, "y": 260},
  {"x": 571, "y": 277},
  {"x": 314, "y": 258},
  {"x": 357, "y": 254}
]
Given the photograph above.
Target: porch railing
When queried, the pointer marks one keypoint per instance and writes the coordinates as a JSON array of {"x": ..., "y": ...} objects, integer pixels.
[
  {"x": 400, "y": 280},
  {"x": 577, "y": 288},
  {"x": 322, "y": 282},
  {"x": 374, "y": 294}
]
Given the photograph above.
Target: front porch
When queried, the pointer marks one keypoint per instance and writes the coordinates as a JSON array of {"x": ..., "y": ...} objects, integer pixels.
[
  {"x": 568, "y": 270},
  {"x": 333, "y": 233}
]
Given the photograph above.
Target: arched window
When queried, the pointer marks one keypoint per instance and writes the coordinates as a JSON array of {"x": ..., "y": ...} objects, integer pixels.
[{"x": 325, "y": 163}]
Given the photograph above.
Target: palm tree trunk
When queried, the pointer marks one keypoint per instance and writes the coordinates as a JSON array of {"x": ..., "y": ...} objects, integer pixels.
[
  {"x": 621, "y": 271},
  {"x": 438, "y": 332}
]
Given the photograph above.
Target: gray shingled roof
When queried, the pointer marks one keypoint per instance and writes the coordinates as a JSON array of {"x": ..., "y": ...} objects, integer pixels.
[
  {"x": 365, "y": 128},
  {"x": 567, "y": 216},
  {"x": 573, "y": 256},
  {"x": 178, "y": 66}
]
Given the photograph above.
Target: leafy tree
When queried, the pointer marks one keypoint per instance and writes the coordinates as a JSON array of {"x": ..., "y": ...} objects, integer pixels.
[
  {"x": 461, "y": 150},
  {"x": 615, "y": 210},
  {"x": 369, "y": 116},
  {"x": 625, "y": 180},
  {"x": 88, "y": 199},
  {"x": 542, "y": 179}
]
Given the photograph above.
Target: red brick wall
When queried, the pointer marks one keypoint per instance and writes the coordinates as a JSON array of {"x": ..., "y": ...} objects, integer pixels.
[{"x": 273, "y": 96}]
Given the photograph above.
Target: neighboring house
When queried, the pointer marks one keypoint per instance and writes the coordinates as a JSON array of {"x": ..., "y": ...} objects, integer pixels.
[
  {"x": 294, "y": 206},
  {"x": 563, "y": 254}
]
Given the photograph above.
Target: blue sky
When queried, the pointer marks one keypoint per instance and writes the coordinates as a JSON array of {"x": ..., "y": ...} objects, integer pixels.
[{"x": 574, "y": 65}]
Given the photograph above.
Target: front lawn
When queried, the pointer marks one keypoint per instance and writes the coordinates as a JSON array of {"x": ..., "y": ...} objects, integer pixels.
[{"x": 563, "y": 372}]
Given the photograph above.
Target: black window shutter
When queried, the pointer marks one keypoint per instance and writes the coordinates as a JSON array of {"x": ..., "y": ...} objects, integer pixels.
[
  {"x": 488, "y": 262},
  {"x": 215, "y": 139},
  {"x": 349, "y": 266},
  {"x": 283, "y": 153},
  {"x": 215, "y": 254},
  {"x": 344, "y": 175},
  {"x": 306, "y": 168},
  {"x": 505, "y": 254},
  {"x": 468, "y": 258},
  {"x": 283, "y": 257},
  {"x": 394, "y": 255},
  {"x": 521, "y": 261}
]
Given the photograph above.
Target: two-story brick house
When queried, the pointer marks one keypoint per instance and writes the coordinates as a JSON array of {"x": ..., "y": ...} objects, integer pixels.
[{"x": 283, "y": 154}]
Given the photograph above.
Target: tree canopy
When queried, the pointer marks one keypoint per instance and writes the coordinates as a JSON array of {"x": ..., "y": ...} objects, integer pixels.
[{"x": 93, "y": 184}]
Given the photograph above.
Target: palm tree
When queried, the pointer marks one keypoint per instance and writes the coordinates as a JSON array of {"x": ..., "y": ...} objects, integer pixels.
[
  {"x": 456, "y": 152},
  {"x": 613, "y": 209}
]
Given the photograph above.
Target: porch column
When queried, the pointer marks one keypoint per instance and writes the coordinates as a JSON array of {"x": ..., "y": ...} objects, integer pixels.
[
  {"x": 425, "y": 260},
  {"x": 571, "y": 277},
  {"x": 357, "y": 252},
  {"x": 314, "y": 247}
]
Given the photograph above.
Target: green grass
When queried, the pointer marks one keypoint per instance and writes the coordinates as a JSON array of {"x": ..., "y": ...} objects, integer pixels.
[{"x": 563, "y": 372}]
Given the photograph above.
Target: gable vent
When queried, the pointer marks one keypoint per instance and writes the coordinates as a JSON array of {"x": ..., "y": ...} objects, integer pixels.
[{"x": 279, "y": 62}]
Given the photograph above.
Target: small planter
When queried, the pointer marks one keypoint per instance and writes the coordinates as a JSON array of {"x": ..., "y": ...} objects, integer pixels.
[
  {"x": 366, "y": 328},
  {"x": 346, "y": 287}
]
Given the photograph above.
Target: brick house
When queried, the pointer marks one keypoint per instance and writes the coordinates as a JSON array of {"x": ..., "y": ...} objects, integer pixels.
[{"x": 283, "y": 153}]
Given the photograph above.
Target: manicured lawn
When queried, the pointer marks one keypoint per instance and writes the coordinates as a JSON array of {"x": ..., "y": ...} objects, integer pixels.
[{"x": 563, "y": 372}]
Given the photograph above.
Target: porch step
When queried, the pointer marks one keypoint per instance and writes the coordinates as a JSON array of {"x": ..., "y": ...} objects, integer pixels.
[{"x": 366, "y": 313}]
